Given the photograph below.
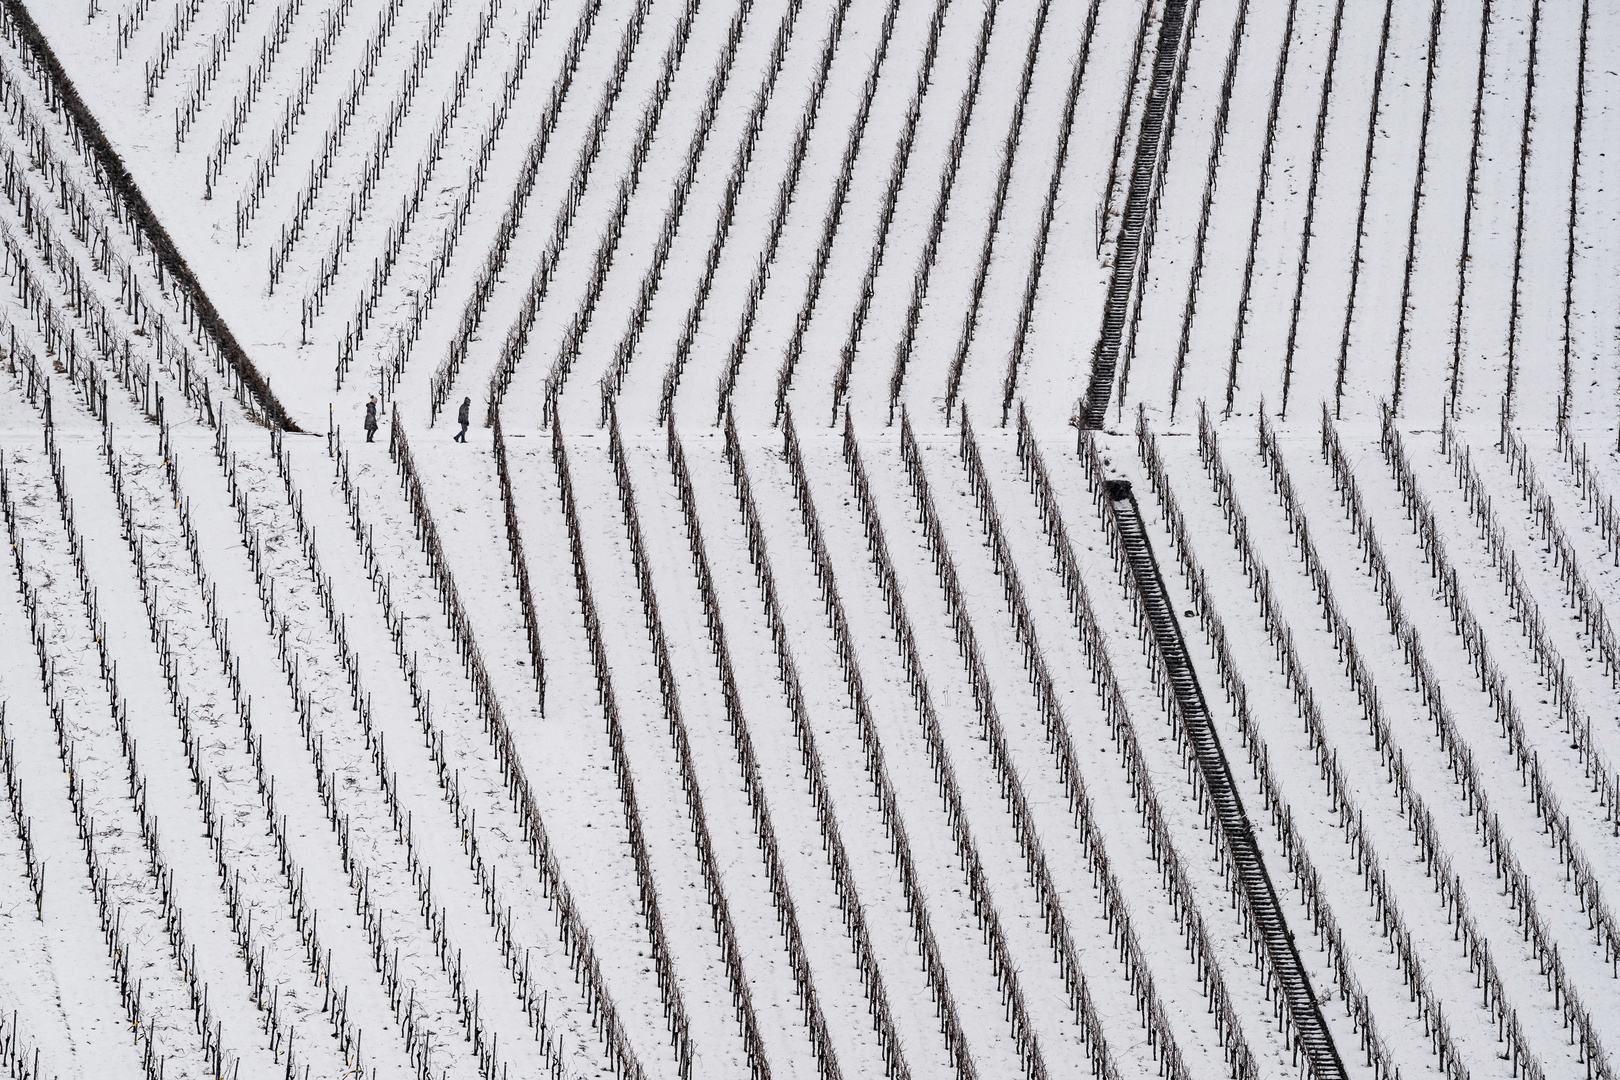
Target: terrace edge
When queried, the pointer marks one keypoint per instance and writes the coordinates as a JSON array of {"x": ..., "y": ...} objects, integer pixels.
[{"x": 124, "y": 185}]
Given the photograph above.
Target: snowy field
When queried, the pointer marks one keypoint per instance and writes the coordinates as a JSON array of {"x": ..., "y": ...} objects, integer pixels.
[{"x": 819, "y": 332}]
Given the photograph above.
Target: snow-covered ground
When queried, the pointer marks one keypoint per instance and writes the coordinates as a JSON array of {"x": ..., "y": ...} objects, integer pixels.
[{"x": 755, "y": 691}]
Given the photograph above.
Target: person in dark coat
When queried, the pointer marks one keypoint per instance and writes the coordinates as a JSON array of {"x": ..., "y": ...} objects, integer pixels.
[
  {"x": 461, "y": 417},
  {"x": 371, "y": 417}
]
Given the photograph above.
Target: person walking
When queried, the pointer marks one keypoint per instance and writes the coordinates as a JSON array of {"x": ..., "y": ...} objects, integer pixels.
[
  {"x": 371, "y": 418},
  {"x": 461, "y": 417}
]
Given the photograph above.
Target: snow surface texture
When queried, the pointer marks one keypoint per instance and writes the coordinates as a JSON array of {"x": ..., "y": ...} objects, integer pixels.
[{"x": 756, "y": 692}]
